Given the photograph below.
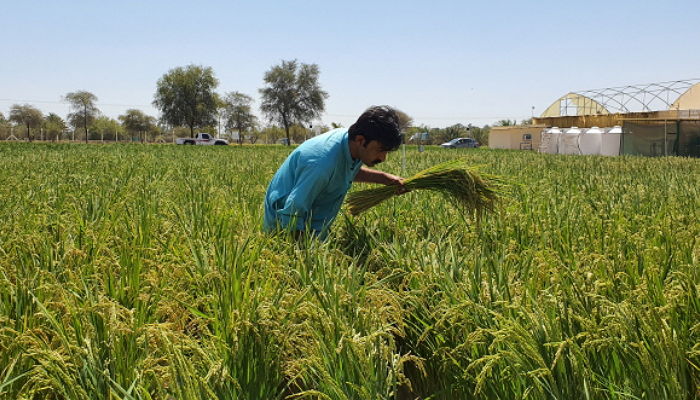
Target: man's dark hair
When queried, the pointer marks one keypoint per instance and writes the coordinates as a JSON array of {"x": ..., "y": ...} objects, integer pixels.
[{"x": 380, "y": 123}]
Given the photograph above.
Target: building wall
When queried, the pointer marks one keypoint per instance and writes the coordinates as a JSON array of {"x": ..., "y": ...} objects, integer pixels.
[{"x": 511, "y": 137}]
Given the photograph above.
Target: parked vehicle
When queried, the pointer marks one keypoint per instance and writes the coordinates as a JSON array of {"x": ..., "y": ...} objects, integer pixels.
[
  {"x": 460, "y": 142},
  {"x": 202, "y": 139}
]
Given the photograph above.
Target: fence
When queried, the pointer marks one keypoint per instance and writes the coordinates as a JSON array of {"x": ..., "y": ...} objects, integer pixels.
[{"x": 659, "y": 138}]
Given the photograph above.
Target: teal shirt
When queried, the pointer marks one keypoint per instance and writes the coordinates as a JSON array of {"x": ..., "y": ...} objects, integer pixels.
[{"x": 310, "y": 186}]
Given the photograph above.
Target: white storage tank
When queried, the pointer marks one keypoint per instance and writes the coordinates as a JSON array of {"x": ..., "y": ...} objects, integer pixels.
[
  {"x": 590, "y": 141},
  {"x": 611, "y": 139},
  {"x": 549, "y": 142},
  {"x": 568, "y": 142}
]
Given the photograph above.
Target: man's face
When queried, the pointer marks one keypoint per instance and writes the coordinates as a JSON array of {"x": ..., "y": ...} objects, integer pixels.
[{"x": 372, "y": 153}]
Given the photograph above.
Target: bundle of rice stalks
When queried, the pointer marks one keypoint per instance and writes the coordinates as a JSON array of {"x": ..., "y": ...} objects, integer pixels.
[{"x": 457, "y": 181}]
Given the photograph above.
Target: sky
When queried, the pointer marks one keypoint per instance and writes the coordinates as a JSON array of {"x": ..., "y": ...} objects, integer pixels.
[{"x": 441, "y": 62}]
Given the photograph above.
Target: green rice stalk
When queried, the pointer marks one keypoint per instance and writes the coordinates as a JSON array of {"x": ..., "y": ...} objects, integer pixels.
[{"x": 458, "y": 182}]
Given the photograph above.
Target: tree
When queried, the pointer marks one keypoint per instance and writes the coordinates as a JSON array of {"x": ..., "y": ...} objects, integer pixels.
[
  {"x": 220, "y": 113},
  {"x": 26, "y": 115},
  {"x": 506, "y": 122},
  {"x": 455, "y": 131},
  {"x": 83, "y": 103},
  {"x": 253, "y": 135},
  {"x": 298, "y": 133},
  {"x": 185, "y": 96},
  {"x": 181, "y": 132},
  {"x": 271, "y": 133},
  {"x": 292, "y": 94},
  {"x": 480, "y": 134},
  {"x": 136, "y": 122},
  {"x": 54, "y": 126},
  {"x": 405, "y": 120},
  {"x": 107, "y": 128},
  {"x": 238, "y": 113},
  {"x": 4, "y": 126}
]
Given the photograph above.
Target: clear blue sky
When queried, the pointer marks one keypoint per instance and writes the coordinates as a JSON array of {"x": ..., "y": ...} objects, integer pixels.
[{"x": 442, "y": 62}]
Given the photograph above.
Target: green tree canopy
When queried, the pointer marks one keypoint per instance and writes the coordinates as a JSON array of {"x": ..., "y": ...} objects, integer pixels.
[
  {"x": 5, "y": 126},
  {"x": 84, "y": 110},
  {"x": 54, "y": 125},
  {"x": 271, "y": 133},
  {"x": 506, "y": 122},
  {"x": 185, "y": 96},
  {"x": 481, "y": 134},
  {"x": 137, "y": 122},
  {"x": 292, "y": 94},
  {"x": 107, "y": 128},
  {"x": 239, "y": 114},
  {"x": 454, "y": 131},
  {"x": 26, "y": 115},
  {"x": 440, "y": 135}
]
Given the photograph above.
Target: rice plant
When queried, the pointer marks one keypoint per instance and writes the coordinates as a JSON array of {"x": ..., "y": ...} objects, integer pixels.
[
  {"x": 461, "y": 184},
  {"x": 141, "y": 272}
]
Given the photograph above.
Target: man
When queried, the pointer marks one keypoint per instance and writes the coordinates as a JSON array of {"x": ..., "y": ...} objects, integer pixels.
[{"x": 308, "y": 189}]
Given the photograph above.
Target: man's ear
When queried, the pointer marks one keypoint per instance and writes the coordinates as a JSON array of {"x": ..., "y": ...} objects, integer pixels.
[{"x": 359, "y": 139}]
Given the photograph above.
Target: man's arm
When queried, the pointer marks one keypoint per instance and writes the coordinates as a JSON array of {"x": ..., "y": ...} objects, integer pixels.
[{"x": 368, "y": 175}]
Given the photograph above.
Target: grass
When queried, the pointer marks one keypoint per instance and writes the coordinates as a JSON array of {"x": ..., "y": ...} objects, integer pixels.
[{"x": 141, "y": 272}]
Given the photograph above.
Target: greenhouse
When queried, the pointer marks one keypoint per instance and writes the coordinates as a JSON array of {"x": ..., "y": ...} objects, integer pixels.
[{"x": 652, "y": 119}]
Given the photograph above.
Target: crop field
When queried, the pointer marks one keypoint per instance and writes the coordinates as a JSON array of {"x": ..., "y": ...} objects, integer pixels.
[{"x": 141, "y": 272}]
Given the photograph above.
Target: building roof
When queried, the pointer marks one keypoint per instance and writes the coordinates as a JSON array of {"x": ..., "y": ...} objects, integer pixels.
[{"x": 672, "y": 95}]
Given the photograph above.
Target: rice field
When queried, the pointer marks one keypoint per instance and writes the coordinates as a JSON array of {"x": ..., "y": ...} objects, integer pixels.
[{"x": 141, "y": 272}]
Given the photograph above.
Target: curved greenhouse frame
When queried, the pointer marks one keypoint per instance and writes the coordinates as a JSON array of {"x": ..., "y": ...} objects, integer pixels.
[{"x": 672, "y": 95}]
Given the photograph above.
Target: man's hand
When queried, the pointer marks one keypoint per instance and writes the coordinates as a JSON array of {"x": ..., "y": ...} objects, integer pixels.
[
  {"x": 393, "y": 180},
  {"x": 373, "y": 176}
]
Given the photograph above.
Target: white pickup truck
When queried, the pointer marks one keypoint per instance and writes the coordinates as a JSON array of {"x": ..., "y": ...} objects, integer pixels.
[{"x": 203, "y": 139}]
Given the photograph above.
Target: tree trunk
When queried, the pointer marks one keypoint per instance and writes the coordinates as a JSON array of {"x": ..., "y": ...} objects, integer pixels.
[
  {"x": 286, "y": 129},
  {"x": 85, "y": 123},
  {"x": 29, "y": 136}
]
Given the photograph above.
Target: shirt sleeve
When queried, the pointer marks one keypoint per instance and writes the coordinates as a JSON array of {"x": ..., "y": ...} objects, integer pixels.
[{"x": 311, "y": 179}]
